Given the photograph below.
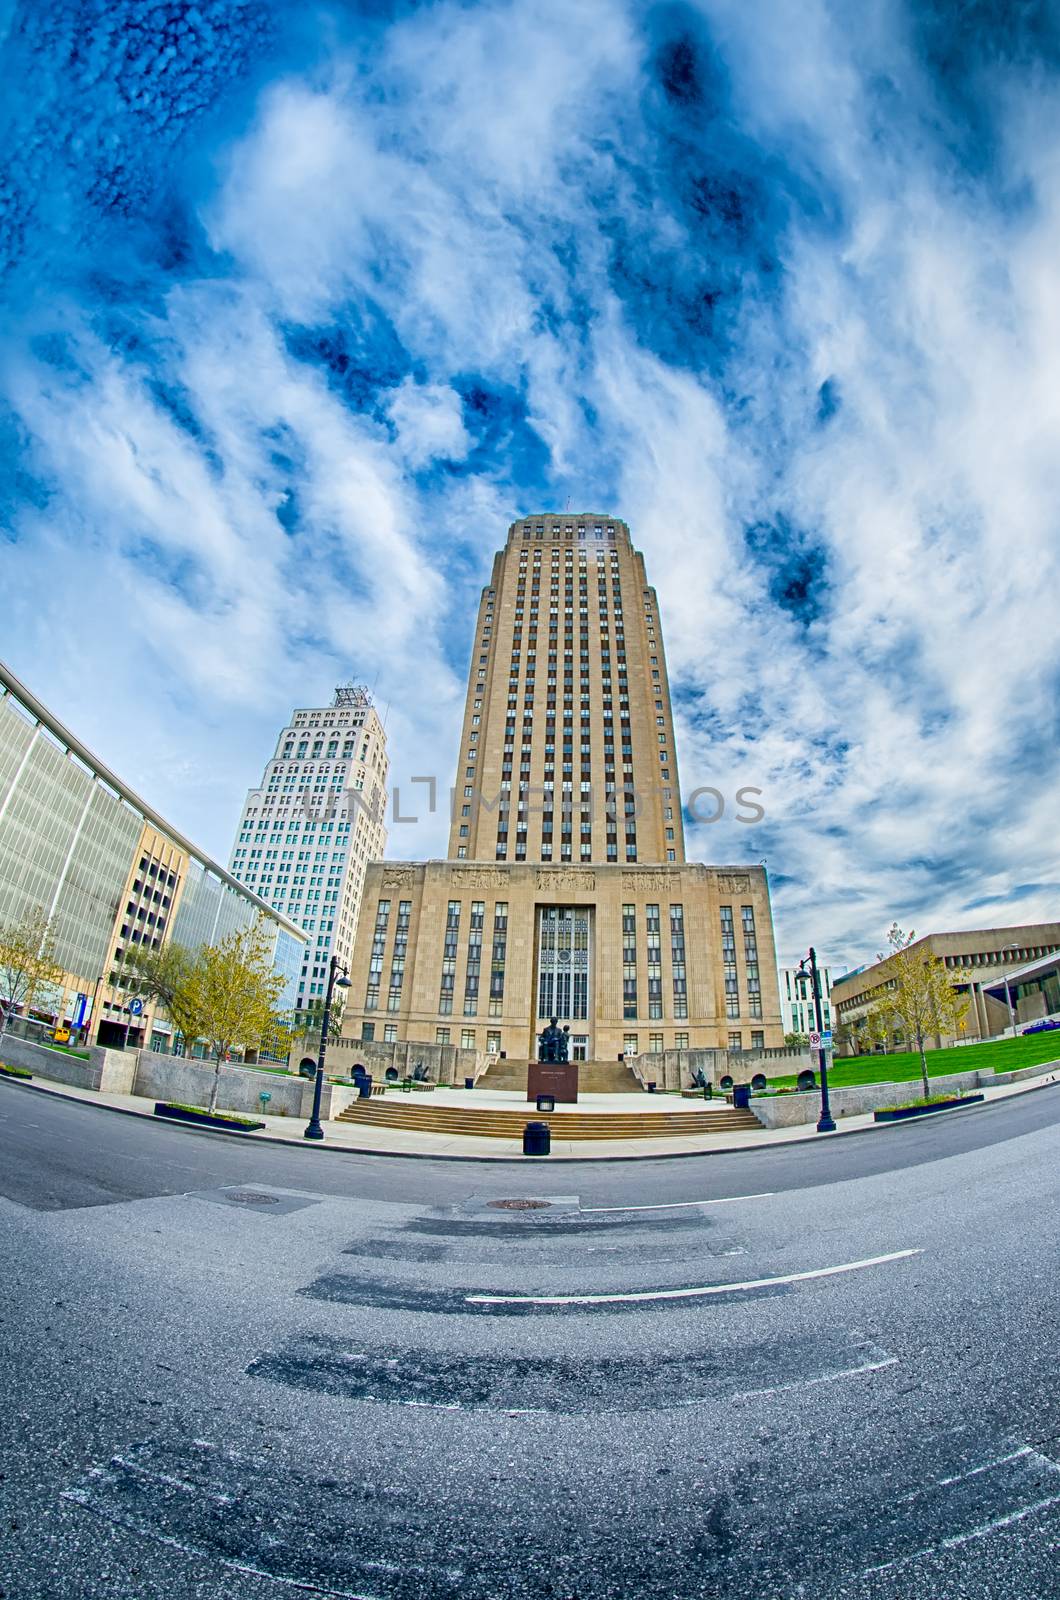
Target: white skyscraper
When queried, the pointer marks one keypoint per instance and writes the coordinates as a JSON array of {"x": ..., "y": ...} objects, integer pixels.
[{"x": 317, "y": 818}]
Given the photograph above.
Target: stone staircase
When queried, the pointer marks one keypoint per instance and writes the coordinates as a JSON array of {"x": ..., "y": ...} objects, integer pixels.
[{"x": 492, "y": 1122}]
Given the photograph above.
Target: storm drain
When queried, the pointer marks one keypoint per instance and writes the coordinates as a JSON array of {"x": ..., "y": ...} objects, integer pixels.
[
  {"x": 519, "y": 1205},
  {"x": 247, "y": 1197}
]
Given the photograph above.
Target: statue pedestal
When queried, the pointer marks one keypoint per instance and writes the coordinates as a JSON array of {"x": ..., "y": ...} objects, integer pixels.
[{"x": 558, "y": 1078}]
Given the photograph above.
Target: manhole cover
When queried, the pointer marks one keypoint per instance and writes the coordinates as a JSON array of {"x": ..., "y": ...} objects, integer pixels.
[
  {"x": 519, "y": 1205},
  {"x": 247, "y": 1197}
]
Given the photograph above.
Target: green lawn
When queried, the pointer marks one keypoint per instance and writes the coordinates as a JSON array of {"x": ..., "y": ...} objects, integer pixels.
[{"x": 997, "y": 1055}]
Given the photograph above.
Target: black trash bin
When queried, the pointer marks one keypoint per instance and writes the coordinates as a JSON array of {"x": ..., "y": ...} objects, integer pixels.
[
  {"x": 546, "y": 1102},
  {"x": 652, "y": 1086},
  {"x": 469, "y": 1083},
  {"x": 537, "y": 1139},
  {"x": 741, "y": 1096},
  {"x": 364, "y": 1086}
]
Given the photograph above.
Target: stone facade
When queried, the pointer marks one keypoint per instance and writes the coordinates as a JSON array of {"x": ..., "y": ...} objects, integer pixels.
[
  {"x": 566, "y": 891},
  {"x": 507, "y": 1023}
]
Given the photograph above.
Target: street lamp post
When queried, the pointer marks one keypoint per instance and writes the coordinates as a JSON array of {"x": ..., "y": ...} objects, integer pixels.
[
  {"x": 1008, "y": 991},
  {"x": 826, "y": 1122},
  {"x": 314, "y": 1130}
]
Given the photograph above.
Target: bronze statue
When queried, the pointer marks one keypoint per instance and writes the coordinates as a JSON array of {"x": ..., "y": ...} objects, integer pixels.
[{"x": 553, "y": 1043}]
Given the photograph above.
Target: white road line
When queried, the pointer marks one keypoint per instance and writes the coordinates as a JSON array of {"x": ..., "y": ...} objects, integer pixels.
[
  {"x": 678, "y": 1205},
  {"x": 958, "y": 1539},
  {"x": 984, "y": 1528},
  {"x": 985, "y": 1466},
  {"x": 680, "y": 1294},
  {"x": 807, "y": 1383}
]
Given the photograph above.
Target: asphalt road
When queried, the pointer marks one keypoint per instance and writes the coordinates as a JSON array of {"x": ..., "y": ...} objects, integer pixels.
[{"x": 230, "y": 1371}]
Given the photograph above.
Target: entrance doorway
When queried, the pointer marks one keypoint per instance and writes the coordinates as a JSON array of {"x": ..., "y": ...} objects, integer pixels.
[{"x": 564, "y": 972}]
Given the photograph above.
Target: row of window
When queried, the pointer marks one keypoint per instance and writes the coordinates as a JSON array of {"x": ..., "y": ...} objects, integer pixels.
[
  {"x": 631, "y": 1042},
  {"x": 566, "y": 993}
]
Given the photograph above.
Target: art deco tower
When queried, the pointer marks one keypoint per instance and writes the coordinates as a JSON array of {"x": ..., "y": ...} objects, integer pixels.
[
  {"x": 566, "y": 890},
  {"x": 567, "y": 749}
]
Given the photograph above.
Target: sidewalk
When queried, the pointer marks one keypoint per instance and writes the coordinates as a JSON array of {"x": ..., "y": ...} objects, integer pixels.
[{"x": 356, "y": 1139}]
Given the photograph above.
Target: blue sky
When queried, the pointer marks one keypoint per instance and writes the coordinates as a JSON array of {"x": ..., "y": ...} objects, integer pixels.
[{"x": 302, "y": 304}]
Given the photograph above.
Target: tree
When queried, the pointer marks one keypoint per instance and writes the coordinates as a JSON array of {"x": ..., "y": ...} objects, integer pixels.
[
  {"x": 232, "y": 992},
  {"x": 796, "y": 1041},
  {"x": 27, "y": 963},
  {"x": 920, "y": 999},
  {"x": 878, "y": 1027},
  {"x": 166, "y": 975}
]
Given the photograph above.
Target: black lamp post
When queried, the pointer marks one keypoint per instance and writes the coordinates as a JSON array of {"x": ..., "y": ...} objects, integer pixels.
[
  {"x": 314, "y": 1130},
  {"x": 826, "y": 1122}
]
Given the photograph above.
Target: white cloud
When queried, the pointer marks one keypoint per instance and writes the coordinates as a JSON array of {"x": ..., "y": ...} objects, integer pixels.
[{"x": 465, "y": 182}]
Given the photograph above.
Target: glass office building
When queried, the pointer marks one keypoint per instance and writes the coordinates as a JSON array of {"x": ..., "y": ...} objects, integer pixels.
[{"x": 110, "y": 873}]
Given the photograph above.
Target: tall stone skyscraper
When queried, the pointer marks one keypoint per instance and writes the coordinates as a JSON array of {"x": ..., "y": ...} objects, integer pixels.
[
  {"x": 566, "y": 890},
  {"x": 309, "y": 830},
  {"x": 568, "y": 705}
]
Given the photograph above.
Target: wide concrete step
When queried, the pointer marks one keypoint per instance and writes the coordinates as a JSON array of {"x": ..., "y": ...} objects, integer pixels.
[
  {"x": 503, "y": 1124},
  {"x": 594, "y": 1077}
]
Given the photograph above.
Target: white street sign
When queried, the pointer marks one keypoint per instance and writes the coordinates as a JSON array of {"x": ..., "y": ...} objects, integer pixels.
[{"x": 815, "y": 1041}]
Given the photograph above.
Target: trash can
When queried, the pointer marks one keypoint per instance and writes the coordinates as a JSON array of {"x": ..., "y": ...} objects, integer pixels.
[
  {"x": 469, "y": 1083},
  {"x": 537, "y": 1140},
  {"x": 364, "y": 1086},
  {"x": 546, "y": 1102},
  {"x": 741, "y": 1096},
  {"x": 651, "y": 1087}
]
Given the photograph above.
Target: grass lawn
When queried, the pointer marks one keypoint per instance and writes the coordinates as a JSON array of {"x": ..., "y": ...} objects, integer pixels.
[
  {"x": 63, "y": 1050},
  {"x": 997, "y": 1055}
]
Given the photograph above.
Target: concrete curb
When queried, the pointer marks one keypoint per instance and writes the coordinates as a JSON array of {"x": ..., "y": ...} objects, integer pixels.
[{"x": 519, "y": 1160}]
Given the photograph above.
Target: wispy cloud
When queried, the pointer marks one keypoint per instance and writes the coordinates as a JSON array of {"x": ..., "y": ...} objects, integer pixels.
[{"x": 304, "y": 305}]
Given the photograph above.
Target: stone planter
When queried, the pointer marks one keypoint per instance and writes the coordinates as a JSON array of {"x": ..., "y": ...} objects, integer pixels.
[
  {"x": 904, "y": 1113},
  {"x": 203, "y": 1119}
]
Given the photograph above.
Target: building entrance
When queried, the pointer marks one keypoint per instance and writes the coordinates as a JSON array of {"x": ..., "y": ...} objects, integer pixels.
[{"x": 564, "y": 970}]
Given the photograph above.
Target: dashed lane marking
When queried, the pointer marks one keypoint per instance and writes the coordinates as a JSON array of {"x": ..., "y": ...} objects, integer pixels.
[
  {"x": 684, "y": 1294},
  {"x": 679, "y": 1205}
]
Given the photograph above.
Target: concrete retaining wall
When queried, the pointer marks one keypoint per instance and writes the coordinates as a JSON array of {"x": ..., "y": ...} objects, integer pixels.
[
  {"x": 788, "y": 1110},
  {"x": 189, "y": 1082},
  {"x": 167, "y": 1077},
  {"x": 445, "y": 1063},
  {"x": 54, "y": 1064},
  {"x": 673, "y": 1069}
]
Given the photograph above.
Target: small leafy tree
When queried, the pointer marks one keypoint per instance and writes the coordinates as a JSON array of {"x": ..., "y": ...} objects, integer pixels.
[
  {"x": 878, "y": 1026},
  {"x": 28, "y": 968},
  {"x": 920, "y": 999},
  {"x": 167, "y": 975},
  {"x": 796, "y": 1041},
  {"x": 232, "y": 992}
]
